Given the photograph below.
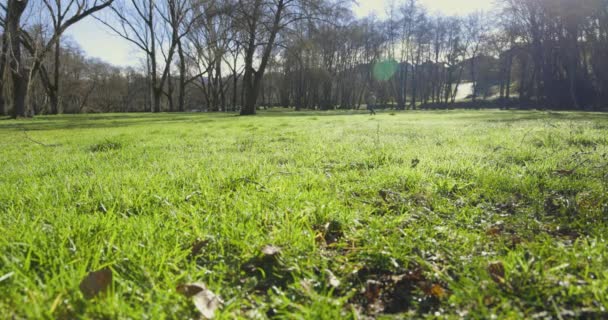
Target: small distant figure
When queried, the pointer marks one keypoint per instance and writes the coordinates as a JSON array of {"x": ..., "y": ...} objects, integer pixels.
[{"x": 371, "y": 104}]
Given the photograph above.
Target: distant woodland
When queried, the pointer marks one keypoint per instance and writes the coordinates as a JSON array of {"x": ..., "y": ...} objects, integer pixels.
[{"x": 241, "y": 55}]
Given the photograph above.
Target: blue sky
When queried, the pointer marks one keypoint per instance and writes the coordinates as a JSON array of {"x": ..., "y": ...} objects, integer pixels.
[{"x": 98, "y": 42}]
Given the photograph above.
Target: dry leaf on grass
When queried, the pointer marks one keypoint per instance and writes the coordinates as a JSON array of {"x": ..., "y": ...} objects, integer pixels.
[
  {"x": 96, "y": 282},
  {"x": 438, "y": 291},
  {"x": 271, "y": 250},
  {"x": 564, "y": 172},
  {"x": 205, "y": 300},
  {"x": 494, "y": 231},
  {"x": 497, "y": 272},
  {"x": 333, "y": 280},
  {"x": 197, "y": 247}
]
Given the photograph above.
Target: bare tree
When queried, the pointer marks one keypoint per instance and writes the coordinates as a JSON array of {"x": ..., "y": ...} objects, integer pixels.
[
  {"x": 75, "y": 11},
  {"x": 476, "y": 33},
  {"x": 155, "y": 27},
  {"x": 62, "y": 14},
  {"x": 262, "y": 22}
]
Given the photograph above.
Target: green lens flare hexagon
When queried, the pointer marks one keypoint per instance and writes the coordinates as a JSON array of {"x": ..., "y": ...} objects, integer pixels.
[{"x": 385, "y": 69}]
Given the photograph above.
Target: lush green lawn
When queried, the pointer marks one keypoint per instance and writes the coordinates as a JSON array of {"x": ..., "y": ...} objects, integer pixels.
[{"x": 408, "y": 214}]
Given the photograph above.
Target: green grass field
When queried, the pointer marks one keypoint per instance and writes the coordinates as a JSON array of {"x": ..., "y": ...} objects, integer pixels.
[{"x": 453, "y": 214}]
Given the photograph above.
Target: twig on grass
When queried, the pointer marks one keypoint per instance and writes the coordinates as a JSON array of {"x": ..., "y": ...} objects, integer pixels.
[{"x": 37, "y": 142}]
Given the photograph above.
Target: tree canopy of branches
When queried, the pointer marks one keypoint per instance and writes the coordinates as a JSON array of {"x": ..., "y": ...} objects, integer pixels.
[
  {"x": 221, "y": 55},
  {"x": 62, "y": 14}
]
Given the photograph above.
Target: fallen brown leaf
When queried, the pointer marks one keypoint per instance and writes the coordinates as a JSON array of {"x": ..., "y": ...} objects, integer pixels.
[
  {"x": 494, "y": 231},
  {"x": 205, "y": 301},
  {"x": 438, "y": 291},
  {"x": 415, "y": 163},
  {"x": 271, "y": 250},
  {"x": 563, "y": 172},
  {"x": 198, "y": 246},
  {"x": 497, "y": 272},
  {"x": 96, "y": 282},
  {"x": 372, "y": 291},
  {"x": 189, "y": 290},
  {"x": 333, "y": 280}
]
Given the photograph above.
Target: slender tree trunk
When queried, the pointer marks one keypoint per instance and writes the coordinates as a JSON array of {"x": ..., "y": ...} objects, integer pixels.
[
  {"x": 54, "y": 88},
  {"x": 503, "y": 76},
  {"x": 223, "y": 95},
  {"x": 2, "y": 69},
  {"x": 148, "y": 102},
  {"x": 182, "y": 77},
  {"x": 573, "y": 65},
  {"x": 249, "y": 97},
  {"x": 235, "y": 77},
  {"x": 448, "y": 84},
  {"x": 522, "y": 79},
  {"x": 399, "y": 90},
  {"x": 170, "y": 91},
  {"x": 242, "y": 94},
  {"x": 508, "y": 74},
  {"x": 414, "y": 88},
  {"x": 474, "y": 78},
  {"x": 235, "y": 82},
  {"x": 458, "y": 81},
  {"x": 156, "y": 87}
]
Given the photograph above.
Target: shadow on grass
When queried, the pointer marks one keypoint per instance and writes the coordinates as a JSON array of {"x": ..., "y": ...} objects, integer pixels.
[
  {"x": 96, "y": 121},
  {"x": 519, "y": 116},
  {"x": 117, "y": 120}
]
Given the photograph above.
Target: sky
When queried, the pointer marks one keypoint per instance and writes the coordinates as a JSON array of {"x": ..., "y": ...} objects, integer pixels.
[
  {"x": 447, "y": 7},
  {"x": 98, "y": 42}
]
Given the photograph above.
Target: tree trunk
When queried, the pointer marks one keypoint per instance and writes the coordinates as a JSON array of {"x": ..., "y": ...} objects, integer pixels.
[
  {"x": 448, "y": 84},
  {"x": 2, "y": 68},
  {"x": 405, "y": 84},
  {"x": 573, "y": 64},
  {"x": 54, "y": 89},
  {"x": 170, "y": 93},
  {"x": 474, "y": 78},
  {"x": 18, "y": 72},
  {"x": 253, "y": 78},
  {"x": 148, "y": 102},
  {"x": 156, "y": 87},
  {"x": 252, "y": 89},
  {"x": 182, "y": 78},
  {"x": 53, "y": 99},
  {"x": 414, "y": 88},
  {"x": 250, "y": 97},
  {"x": 458, "y": 81},
  {"x": 399, "y": 90},
  {"x": 522, "y": 79},
  {"x": 503, "y": 75},
  {"x": 156, "y": 97},
  {"x": 508, "y": 73},
  {"x": 235, "y": 82},
  {"x": 2, "y": 111}
]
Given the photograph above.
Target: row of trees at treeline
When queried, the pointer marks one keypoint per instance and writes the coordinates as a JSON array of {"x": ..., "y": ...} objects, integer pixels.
[{"x": 222, "y": 55}]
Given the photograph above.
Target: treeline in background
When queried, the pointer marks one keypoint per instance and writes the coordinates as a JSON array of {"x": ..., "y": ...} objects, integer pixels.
[{"x": 240, "y": 55}]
